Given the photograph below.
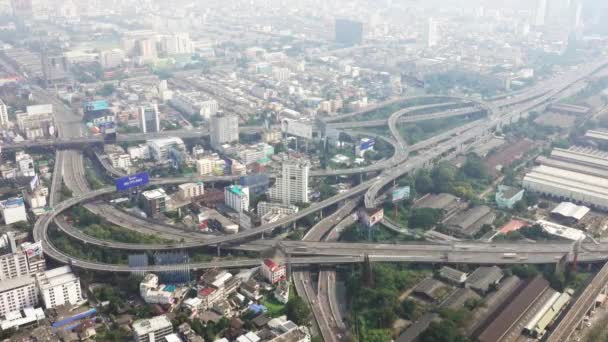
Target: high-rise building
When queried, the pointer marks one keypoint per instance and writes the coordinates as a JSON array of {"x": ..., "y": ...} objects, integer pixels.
[
  {"x": 576, "y": 10},
  {"x": 431, "y": 34},
  {"x": 147, "y": 50},
  {"x": 22, "y": 8},
  {"x": 17, "y": 293},
  {"x": 4, "y": 123},
  {"x": 153, "y": 329},
  {"x": 291, "y": 186},
  {"x": 224, "y": 129},
  {"x": 237, "y": 198},
  {"x": 541, "y": 13},
  {"x": 348, "y": 32},
  {"x": 149, "y": 120},
  {"x": 110, "y": 59},
  {"x": 59, "y": 286},
  {"x": 13, "y": 265},
  {"x": 177, "y": 44}
]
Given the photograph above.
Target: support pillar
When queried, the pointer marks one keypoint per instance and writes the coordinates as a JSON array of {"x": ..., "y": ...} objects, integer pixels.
[{"x": 219, "y": 250}]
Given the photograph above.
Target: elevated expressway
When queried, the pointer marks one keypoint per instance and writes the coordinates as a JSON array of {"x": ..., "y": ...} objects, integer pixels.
[
  {"x": 484, "y": 128},
  {"x": 41, "y": 226}
]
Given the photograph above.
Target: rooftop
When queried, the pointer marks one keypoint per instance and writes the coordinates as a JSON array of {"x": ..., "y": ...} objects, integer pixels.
[
  {"x": 562, "y": 231},
  {"x": 571, "y": 210},
  {"x": 145, "y": 326},
  {"x": 154, "y": 194},
  {"x": 57, "y": 276},
  {"x": 14, "y": 283},
  {"x": 482, "y": 277}
]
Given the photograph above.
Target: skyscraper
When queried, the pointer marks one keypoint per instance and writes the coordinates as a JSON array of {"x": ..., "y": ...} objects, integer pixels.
[
  {"x": 4, "y": 122},
  {"x": 541, "y": 13},
  {"x": 224, "y": 129},
  {"x": 431, "y": 33},
  {"x": 149, "y": 120},
  {"x": 292, "y": 185},
  {"x": 575, "y": 11}
]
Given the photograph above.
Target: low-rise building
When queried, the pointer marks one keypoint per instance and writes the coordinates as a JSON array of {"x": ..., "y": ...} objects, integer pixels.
[
  {"x": 139, "y": 152},
  {"x": 507, "y": 196},
  {"x": 18, "y": 318},
  {"x": 13, "y": 210},
  {"x": 469, "y": 222},
  {"x": 281, "y": 293},
  {"x": 189, "y": 191},
  {"x": 453, "y": 276},
  {"x": 161, "y": 149},
  {"x": 120, "y": 160},
  {"x": 272, "y": 271},
  {"x": 153, "y": 329},
  {"x": 154, "y": 293},
  {"x": 483, "y": 278},
  {"x": 154, "y": 201}
]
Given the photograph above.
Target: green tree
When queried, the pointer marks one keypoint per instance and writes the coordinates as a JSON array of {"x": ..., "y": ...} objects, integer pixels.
[
  {"x": 423, "y": 182},
  {"x": 407, "y": 309},
  {"x": 444, "y": 331},
  {"x": 424, "y": 218},
  {"x": 475, "y": 168},
  {"x": 298, "y": 311},
  {"x": 443, "y": 176}
]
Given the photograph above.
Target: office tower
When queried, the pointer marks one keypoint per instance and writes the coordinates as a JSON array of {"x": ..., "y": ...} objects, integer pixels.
[
  {"x": 3, "y": 115},
  {"x": 59, "y": 286},
  {"x": 149, "y": 119},
  {"x": 541, "y": 13},
  {"x": 348, "y": 32},
  {"x": 431, "y": 33},
  {"x": 291, "y": 186},
  {"x": 224, "y": 129}
]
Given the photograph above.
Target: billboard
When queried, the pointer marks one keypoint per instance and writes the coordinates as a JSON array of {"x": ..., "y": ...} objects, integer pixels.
[
  {"x": 32, "y": 249},
  {"x": 399, "y": 194},
  {"x": 128, "y": 182},
  {"x": 297, "y": 128},
  {"x": 367, "y": 144},
  {"x": 95, "y": 106}
]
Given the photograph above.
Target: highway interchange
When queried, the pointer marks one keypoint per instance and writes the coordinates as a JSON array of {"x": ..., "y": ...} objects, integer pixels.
[{"x": 315, "y": 248}]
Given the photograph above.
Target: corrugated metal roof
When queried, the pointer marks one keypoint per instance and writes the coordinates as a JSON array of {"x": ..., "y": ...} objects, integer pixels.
[
  {"x": 513, "y": 311},
  {"x": 568, "y": 209}
]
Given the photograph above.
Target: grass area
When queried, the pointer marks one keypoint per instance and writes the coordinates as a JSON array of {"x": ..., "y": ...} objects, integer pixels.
[
  {"x": 89, "y": 253},
  {"x": 93, "y": 178},
  {"x": 386, "y": 111},
  {"x": 275, "y": 308},
  {"x": 418, "y": 131},
  {"x": 376, "y": 305},
  {"x": 379, "y": 233}
]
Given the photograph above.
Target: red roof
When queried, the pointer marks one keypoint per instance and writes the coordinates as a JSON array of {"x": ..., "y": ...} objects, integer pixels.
[
  {"x": 271, "y": 264},
  {"x": 513, "y": 225},
  {"x": 206, "y": 291}
]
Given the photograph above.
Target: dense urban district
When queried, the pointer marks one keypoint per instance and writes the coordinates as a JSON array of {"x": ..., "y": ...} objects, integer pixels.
[{"x": 297, "y": 171}]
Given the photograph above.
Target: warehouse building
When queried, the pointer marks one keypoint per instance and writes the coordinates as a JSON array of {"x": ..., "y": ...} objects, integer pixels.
[
  {"x": 469, "y": 222},
  {"x": 504, "y": 321},
  {"x": 568, "y": 185}
]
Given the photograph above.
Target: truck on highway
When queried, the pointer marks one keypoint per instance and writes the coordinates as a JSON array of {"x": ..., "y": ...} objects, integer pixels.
[{"x": 509, "y": 255}]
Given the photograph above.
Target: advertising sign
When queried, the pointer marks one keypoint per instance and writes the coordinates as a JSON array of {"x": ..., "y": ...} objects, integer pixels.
[
  {"x": 297, "y": 128},
  {"x": 128, "y": 182},
  {"x": 366, "y": 144},
  {"x": 399, "y": 194},
  {"x": 32, "y": 250},
  {"x": 94, "y": 106}
]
